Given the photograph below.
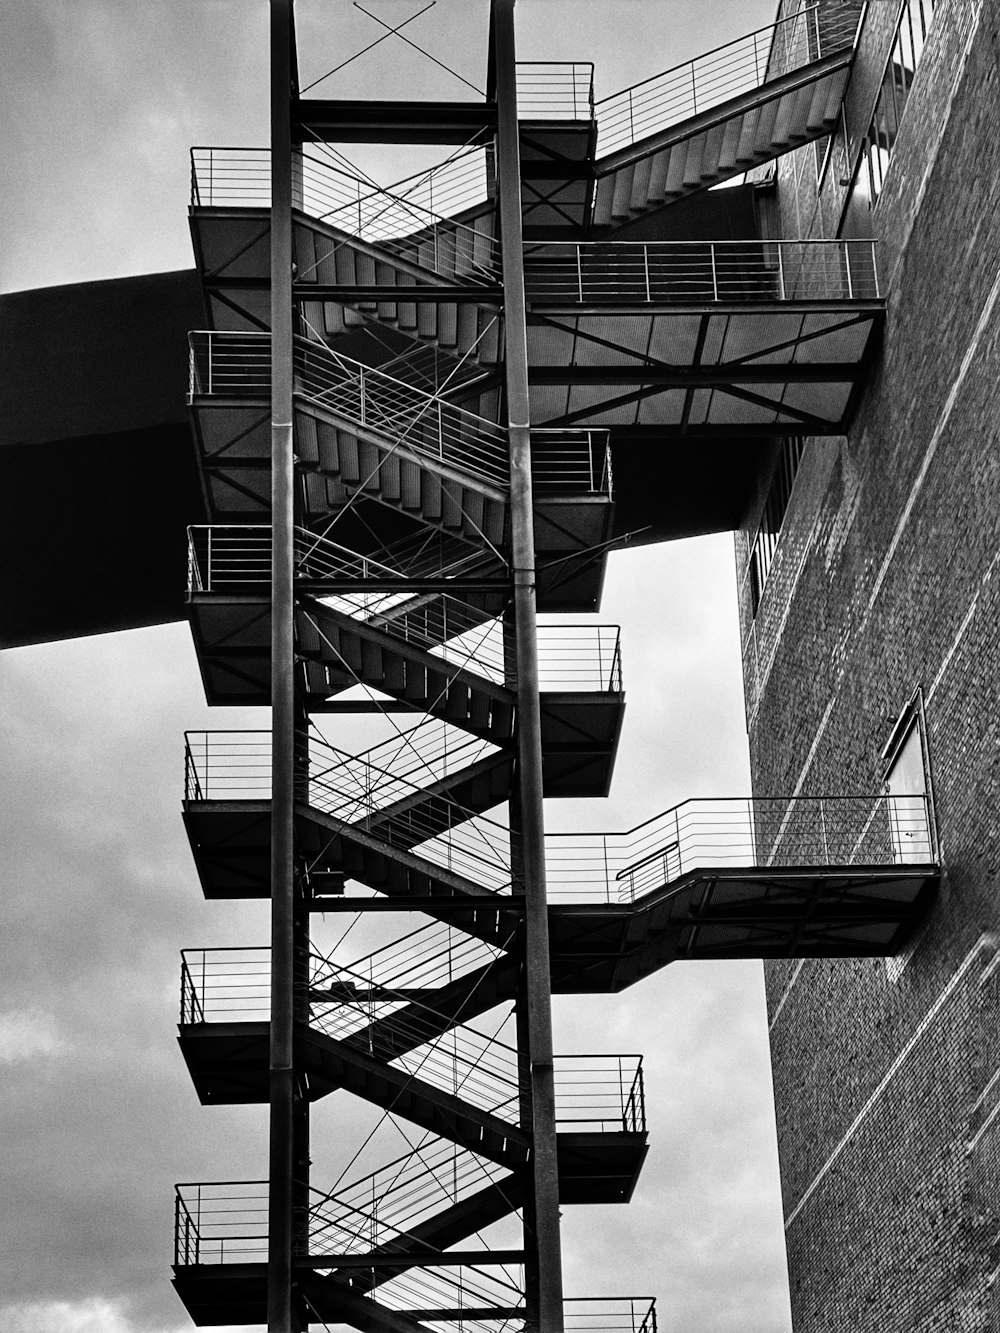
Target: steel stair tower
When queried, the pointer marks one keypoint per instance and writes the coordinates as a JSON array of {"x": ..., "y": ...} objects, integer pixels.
[{"x": 407, "y": 440}]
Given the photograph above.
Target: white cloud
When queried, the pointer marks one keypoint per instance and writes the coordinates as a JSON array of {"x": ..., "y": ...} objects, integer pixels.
[
  {"x": 27, "y": 1034},
  {"x": 95, "y": 1315}
]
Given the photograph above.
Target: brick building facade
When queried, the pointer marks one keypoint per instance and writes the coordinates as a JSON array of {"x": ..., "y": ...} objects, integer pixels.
[{"x": 871, "y": 656}]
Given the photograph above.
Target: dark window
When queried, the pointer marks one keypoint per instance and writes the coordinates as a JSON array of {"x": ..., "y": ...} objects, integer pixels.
[
  {"x": 766, "y": 539},
  {"x": 911, "y": 35}
]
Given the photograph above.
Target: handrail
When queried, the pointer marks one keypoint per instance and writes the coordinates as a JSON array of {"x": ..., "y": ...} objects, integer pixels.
[
  {"x": 235, "y": 765},
  {"x": 715, "y": 76},
  {"x": 877, "y": 830},
  {"x": 396, "y": 220},
  {"x": 578, "y": 658},
  {"x": 428, "y": 425},
  {"x": 713, "y": 272},
  {"x": 555, "y": 90},
  {"x": 601, "y": 1093},
  {"x": 745, "y": 832},
  {"x": 404, "y": 416}
]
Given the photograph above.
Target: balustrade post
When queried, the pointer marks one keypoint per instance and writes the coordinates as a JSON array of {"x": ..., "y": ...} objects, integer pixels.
[
  {"x": 823, "y": 832},
  {"x": 694, "y": 90},
  {"x": 781, "y": 271},
  {"x": 847, "y": 266},
  {"x": 579, "y": 272},
  {"x": 645, "y": 263},
  {"x": 715, "y": 275},
  {"x": 542, "y": 1226}
]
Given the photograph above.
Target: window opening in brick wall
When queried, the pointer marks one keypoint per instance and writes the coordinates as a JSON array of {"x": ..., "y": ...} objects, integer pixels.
[
  {"x": 906, "y": 786},
  {"x": 908, "y": 790},
  {"x": 911, "y": 35},
  {"x": 765, "y": 540}
]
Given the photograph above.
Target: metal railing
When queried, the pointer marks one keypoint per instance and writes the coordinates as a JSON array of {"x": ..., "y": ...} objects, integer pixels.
[
  {"x": 237, "y": 559},
  {"x": 233, "y": 984},
  {"x": 728, "y": 71},
  {"x": 236, "y": 765},
  {"x": 386, "y": 1205},
  {"x": 555, "y": 90},
  {"x": 461, "y": 184},
  {"x": 405, "y": 221},
  {"x": 582, "y": 659},
  {"x": 745, "y": 832},
  {"x": 238, "y": 365},
  {"x": 575, "y": 461},
  {"x": 594, "y": 1093},
  {"x": 727, "y": 272},
  {"x": 609, "y": 1314}
]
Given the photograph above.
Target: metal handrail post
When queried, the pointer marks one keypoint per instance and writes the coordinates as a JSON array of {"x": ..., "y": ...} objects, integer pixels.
[
  {"x": 284, "y": 1119},
  {"x": 546, "y": 1259},
  {"x": 645, "y": 261},
  {"x": 781, "y": 271},
  {"x": 850, "y": 283},
  {"x": 715, "y": 274}
]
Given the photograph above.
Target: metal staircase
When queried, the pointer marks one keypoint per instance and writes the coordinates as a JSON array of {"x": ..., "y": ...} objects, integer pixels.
[
  {"x": 384, "y": 526},
  {"x": 723, "y": 113}
]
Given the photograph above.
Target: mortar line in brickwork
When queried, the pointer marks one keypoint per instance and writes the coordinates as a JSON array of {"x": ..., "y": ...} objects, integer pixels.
[
  {"x": 985, "y": 941},
  {"x": 973, "y": 1143},
  {"x": 989, "y": 1086},
  {"x": 777, "y": 635},
  {"x": 786, "y": 992},
  {"x": 973, "y": 607},
  {"x": 971, "y": 350},
  {"x": 942, "y": 422},
  {"x": 942, "y": 123}
]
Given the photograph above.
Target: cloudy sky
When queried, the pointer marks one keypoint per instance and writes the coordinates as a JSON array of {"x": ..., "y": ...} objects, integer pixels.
[{"x": 101, "y": 100}]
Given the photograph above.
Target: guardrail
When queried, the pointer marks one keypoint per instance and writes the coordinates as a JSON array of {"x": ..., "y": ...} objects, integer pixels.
[
  {"x": 405, "y": 220},
  {"x": 716, "y": 76},
  {"x": 233, "y": 984},
  {"x": 594, "y": 1093},
  {"x": 555, "y": 90},
  {"x": 683, "y": 272},
  {"x": 609, "y": 1314},
  {"x": 236, "y": 765},
  {"x": 385, "y": 1206},
  {"x": 575, "y": 658},
  {"x": 744, "y": 832},
  {"x": 238, "y": 365},
  {"x": 219, "y": 1222}
]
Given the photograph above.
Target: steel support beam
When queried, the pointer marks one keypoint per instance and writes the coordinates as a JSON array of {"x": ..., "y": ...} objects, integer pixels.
[
  {"x": 280, "y": 1313},
  {"x": 546, "y": 1239}
]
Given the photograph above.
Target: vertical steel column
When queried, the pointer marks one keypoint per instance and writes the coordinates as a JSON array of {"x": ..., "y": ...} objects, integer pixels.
[
  {"x": 537, "y": 978},
  {"x": 282, "y": 1088}
]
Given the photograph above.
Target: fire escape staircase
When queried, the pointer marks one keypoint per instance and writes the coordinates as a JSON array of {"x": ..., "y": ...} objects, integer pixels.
[{"x": 402, "y": 587}]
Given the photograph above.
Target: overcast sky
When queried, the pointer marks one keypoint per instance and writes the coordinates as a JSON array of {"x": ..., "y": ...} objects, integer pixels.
[{"x": 101, "y": 100}]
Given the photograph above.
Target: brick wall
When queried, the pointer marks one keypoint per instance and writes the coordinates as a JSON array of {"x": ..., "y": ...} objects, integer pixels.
[{"x": 887, "y": 577}]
